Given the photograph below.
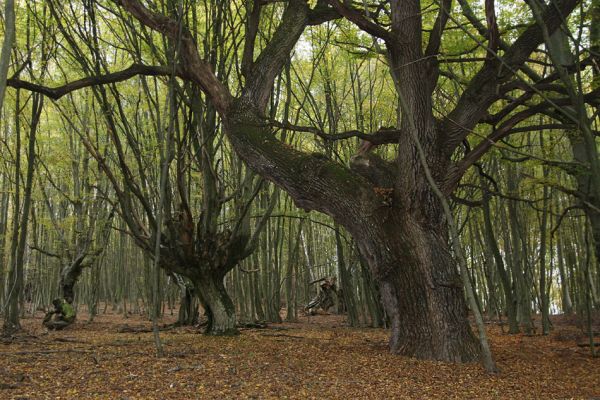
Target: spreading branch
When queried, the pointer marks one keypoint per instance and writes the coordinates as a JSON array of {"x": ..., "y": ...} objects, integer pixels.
[
  {"x": 195, "y": 68},
  {"x": 482, "y": 91},
  {"x": 381, "y": 136},
  {"x": 359, "y": 19},
  {"x": 56, "y": 93}
]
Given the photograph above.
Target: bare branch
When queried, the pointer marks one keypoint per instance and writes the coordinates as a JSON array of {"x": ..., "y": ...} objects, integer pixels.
[
  {"x": 381, "y": 136},
  {"x": 360, "y": 20},
  {"x": 58, "y": 92},
  {"x": 482, "y": 91},
  {"x": 195, "y": 68},
  {"x": 45, "y": 252},
  {"x": 493, "y": 34}
]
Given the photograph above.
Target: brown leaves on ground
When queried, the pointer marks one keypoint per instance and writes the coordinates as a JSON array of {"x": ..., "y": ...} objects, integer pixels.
[{"x": 318, "y": 357}]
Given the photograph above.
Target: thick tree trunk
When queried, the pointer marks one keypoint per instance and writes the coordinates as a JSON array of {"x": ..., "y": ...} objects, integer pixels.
[
  {"x": 400, "y": 233},
  {"x": 217, "y": 304},
  {"x": 421, "y": 291},
  {"x": 68, "y": 278}
]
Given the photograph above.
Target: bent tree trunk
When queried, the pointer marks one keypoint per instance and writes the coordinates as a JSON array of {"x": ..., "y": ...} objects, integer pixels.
[
  {"x": 217, "y": 304},
  {"x": 406, "y": 250}
]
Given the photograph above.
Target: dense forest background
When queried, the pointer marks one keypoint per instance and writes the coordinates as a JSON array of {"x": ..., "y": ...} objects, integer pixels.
[{"x": 152, "y": 163}]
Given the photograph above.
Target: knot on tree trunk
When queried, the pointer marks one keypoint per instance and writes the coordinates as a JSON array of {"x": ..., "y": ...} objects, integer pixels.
[{"x": 376, "y": 170}]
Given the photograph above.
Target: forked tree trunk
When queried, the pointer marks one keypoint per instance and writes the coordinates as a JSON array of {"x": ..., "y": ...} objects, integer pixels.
[
  {"x": 217, "y": 304},
  {"x": 68, "y": 278},
  {"x": 421, "y": 291}
]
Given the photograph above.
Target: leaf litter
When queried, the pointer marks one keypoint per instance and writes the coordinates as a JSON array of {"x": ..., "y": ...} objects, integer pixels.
[{"x": 316, "y": 358}]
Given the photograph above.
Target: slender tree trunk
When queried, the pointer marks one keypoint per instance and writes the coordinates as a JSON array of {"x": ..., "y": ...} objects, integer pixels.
[
  {"x": 14, "y": 241},
  {"x": 518, "y": 258},
  {"x": 509, "y": 297},
  {"x": 7, "y": 44},
  {"x": 4, "y": 203},
  {"x": 567, "y": 303},
  {"x": 11, "y": 321},
  {"x": 544, "y": 295},
  {"x": 292, "y": 271},
  {"x": 346, "y": 286}
]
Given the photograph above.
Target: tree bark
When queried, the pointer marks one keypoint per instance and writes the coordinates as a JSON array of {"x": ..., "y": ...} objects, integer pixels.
[
  {"x": 9, "y": 38},
  {"x": 406, "y": 251},
  {"x": 217, "y": 304},
  {"x": 16, "y": 277},
  {"x": 421, "y": 291},
  {"x": 68, "y": 278}
]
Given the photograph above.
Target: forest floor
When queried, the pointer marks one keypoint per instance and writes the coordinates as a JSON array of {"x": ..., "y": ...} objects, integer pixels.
[{"x": 317, "y": 357}]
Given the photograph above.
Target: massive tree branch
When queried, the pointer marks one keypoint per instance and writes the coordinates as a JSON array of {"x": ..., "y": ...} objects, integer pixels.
[
  {"x": 360, "y": 20},
  {"x": 313, "y": 181},
  {"x": 322, "y": 13},
  {"x": 271, "y": 60}
]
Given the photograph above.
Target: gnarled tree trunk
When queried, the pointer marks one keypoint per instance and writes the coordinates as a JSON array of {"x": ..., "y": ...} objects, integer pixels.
[
  {"x": 217, "y": 304},
  {"x": 68, "y": 278}
]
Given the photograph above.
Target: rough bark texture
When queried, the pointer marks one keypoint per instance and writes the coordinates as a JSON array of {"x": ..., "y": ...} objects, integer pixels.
[
  {"x": 407, "y": 253},
  {"x": 68, "y": 278},
  {"x": 421, "y": 290},
  {"x": 217, "y": 304}
]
